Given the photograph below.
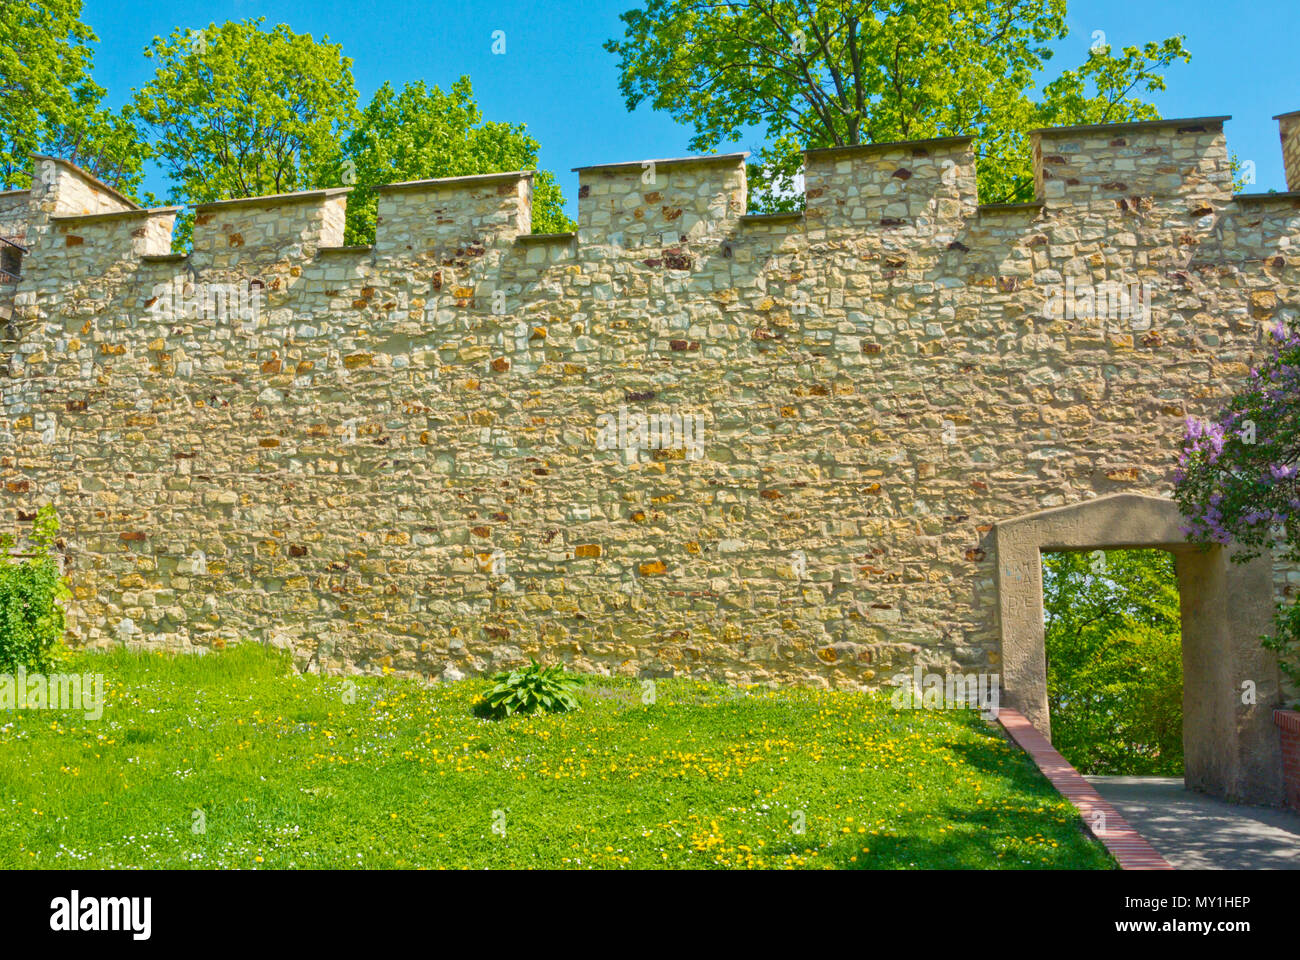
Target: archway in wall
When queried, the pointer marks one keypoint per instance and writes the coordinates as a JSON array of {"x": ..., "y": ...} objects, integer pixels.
[
  {"x": 1112, "y": 628},
  {"x": 1230, "y": 749}
]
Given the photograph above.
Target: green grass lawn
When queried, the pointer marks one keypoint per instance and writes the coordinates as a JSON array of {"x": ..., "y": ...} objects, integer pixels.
[{"x": 282, "y": 771}]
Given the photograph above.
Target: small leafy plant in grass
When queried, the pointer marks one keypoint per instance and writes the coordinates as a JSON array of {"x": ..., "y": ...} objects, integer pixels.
[{"x": 529, "y": 690}]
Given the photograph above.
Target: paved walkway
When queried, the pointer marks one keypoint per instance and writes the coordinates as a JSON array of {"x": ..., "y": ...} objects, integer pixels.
[
  {"x": 1196, "y": 832},
  {"x": 1100, "y": 818}
]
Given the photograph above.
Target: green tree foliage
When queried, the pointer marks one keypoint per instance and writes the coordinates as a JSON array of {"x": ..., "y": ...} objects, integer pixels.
[
  {"x": 238, "y": 111},
  {"x": 1238, "y": 478},
  {"x": 419, "y": 133},
  {"x": 853, "y": 71},
  {"x": 1114, "y": 661},
  {"x": 48, "y": 102},
  {"x": 31, "y": 597}
]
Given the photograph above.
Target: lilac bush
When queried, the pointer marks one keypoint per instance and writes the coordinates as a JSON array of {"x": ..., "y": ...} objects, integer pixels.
[{"x": 1238, "y": 479}]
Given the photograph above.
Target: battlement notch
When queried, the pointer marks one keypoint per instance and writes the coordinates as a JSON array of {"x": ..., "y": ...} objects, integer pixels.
[
  {"x": 99, "y": 239},
  {"x": 420, "y": 218},
  {"x": 229, "y": 233},
  {"x": 661, "y": 202},
  {"x": 1160, "y": 159},
  {"x": 871, "y": 186}
]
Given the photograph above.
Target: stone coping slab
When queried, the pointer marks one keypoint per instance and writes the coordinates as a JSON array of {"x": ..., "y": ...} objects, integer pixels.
[
  {"x": 886, "y": 145},
  {"x": 667, "y": 161},
  {"x": 469, "y": 180},
  {"x": 546, "y": 237},
  {"x": 1129, "y": 125},
  {"x": 114, "y": 215},
  {"x": 272, "y": 199}
]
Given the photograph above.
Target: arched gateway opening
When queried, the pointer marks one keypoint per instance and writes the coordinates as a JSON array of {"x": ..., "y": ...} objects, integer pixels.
[{"x": 1231, "y": 748}]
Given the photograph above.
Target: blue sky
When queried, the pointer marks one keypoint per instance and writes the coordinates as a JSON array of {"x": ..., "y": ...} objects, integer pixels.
[{"x": 556, "y": 78}]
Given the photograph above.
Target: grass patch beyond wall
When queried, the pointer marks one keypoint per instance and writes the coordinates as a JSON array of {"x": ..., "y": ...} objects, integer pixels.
[{"x": 280, "y": 771}]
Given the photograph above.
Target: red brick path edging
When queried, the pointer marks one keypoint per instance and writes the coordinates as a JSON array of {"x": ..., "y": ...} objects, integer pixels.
[
  {"x": 1288, "y": 725},
  {"x": 1124, "y": 843}
]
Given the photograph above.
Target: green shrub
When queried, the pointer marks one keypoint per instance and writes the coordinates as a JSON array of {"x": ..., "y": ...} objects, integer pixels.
[
  {"x": 1113, "y": 637},
  {"x": 31, "y": 595},
  {"x": 534, "y": 688},
  {"x": 1285, "y": 642}
]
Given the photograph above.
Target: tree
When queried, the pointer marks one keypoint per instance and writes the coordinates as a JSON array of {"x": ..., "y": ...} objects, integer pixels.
[
  {"x": 50, "y": 104},
  {"x": 852, "y": 72},
  {"x": 1238, "y": 478},
  {"x": 420, "y": 133},
  {"x": 237, "y": 111},
  {"x": 1114, "y": 660}
]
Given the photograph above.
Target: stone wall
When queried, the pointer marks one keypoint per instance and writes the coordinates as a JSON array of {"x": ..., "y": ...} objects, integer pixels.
[
  {"x": 428, "y": 455},
  {"x": 13, "y": 227},
  {"x": 13, "y": 214},
  {"x": 1289, "y": 128}
]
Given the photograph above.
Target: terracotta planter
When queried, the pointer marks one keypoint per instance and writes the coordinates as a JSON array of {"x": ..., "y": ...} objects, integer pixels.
[{"x": 1288, "y": 725}]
